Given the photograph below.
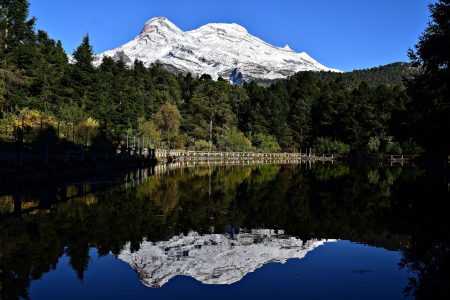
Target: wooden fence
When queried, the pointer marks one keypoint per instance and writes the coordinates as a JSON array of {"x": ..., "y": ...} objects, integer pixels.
[{"x": 23, "y": 153}]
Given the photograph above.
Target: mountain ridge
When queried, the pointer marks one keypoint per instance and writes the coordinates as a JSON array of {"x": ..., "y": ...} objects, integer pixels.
[{"x": 217, "y": 49}]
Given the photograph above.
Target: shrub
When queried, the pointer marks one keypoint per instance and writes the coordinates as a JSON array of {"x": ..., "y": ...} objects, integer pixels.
[
  {"x": 324, "y": 145},
  {"x": 266, "y": 143},
  {"x": 234, "y": 140},
  {"x": 374, "y": 144},
  {"x": 412, "y": 148},
  {"x": 202, "y": 145}
]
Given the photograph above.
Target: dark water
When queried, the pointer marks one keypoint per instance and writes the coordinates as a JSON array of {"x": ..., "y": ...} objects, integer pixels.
[{"x": 330, "y": 232}]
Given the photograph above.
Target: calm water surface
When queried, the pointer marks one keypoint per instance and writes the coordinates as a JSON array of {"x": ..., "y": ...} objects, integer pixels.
[{"x": 230, "y": 232}]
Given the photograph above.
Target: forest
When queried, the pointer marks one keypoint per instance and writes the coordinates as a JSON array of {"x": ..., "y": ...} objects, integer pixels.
[{"x": 402, "y": 108}]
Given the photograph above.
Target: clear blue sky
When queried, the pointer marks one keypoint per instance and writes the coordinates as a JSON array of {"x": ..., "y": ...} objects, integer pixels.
[{"x": 343, "y": 34}]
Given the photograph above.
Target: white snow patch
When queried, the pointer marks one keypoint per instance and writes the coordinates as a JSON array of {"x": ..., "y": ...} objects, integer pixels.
[{"x": 215, "y": 49}]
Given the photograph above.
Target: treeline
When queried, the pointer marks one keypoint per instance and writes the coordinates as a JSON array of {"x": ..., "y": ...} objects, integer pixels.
[
  {"x": 361, "y": 112},
  {"x": 394, "y": 74}
]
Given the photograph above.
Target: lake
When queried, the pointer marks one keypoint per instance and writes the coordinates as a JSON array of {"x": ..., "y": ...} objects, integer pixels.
[{"x": 230, "y": 232}]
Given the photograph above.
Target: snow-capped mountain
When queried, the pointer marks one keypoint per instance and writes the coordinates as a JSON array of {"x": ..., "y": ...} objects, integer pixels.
[
  {"x": 213, "y": 258},
  {"x": 225, "y": 50}
]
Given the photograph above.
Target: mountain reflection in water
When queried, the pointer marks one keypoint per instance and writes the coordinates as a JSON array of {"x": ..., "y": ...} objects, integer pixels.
[
  {"x": 213, "y": 258},
  {"x": 400, "y": 209}
]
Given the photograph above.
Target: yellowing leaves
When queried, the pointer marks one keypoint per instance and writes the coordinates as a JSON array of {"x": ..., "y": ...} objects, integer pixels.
[
  {"x": 31, "y": 119},
  {"x": 89, "y": 123}
]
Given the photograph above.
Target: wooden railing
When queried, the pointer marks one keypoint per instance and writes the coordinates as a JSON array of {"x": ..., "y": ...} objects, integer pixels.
[
  {"x": 62, "y": 153},
  {"x": 189, "y": 155}
]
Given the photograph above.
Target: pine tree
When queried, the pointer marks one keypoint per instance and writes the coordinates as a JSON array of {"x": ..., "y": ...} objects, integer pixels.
[
  {"x": 430, "y": 91},
  {"x": 17, "y": 51},
  {"x": 82, "y": 78},
  {"x": 84, "y": 55},
  {"x": 210, "y": 111},
  {"x": 16, "y": 29}
]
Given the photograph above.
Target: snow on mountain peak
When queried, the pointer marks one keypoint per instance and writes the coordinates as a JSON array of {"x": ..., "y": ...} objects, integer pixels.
[
  {"x": 159, "y": 23},
  {"x": 217, "y": 49},
  {"x": 287, "y": 48},
  {"x": 156, "y": 20},
  {"x": 223, "y": 27}
]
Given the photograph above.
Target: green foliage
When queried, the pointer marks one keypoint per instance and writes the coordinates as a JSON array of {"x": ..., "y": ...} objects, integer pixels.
[
  {"x": 390, "y": 75},
  {"x": 234, "y": 140},
  {"x": 265, "y": 143},
  {"x": 84, "y": 55},
  {"x": 208, "y": 112},
  {"x": 148, "y": 131},
  {"x": 412, "y": 148},
  {"x": 374, "y": 144},
  {"x": 202, "y": 145},
  {"x": 17, "y": 30},
  {"x": 6, "y": 130},
  {"x": 2, "y": 91},
  {"x": 71, "y": 113},
  {"x": 86, "y": 131},
  {"x": 324, "y": 145},
  {"x": 167, "y": 120},
  {"x": 387, "y": 144},
  {"x": 429, "y": 115},
  {"x": 392, "y": 147}
]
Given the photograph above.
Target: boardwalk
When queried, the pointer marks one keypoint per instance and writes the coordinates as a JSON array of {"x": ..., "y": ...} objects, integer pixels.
[
  {"x": 24, "y": 154},
  {"x": 187, "y": 155},
  {"x": 171, "y": 156}
]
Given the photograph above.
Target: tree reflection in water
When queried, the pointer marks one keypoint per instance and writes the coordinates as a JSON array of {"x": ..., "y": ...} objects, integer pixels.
[{"x": 394, "y": 208}]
